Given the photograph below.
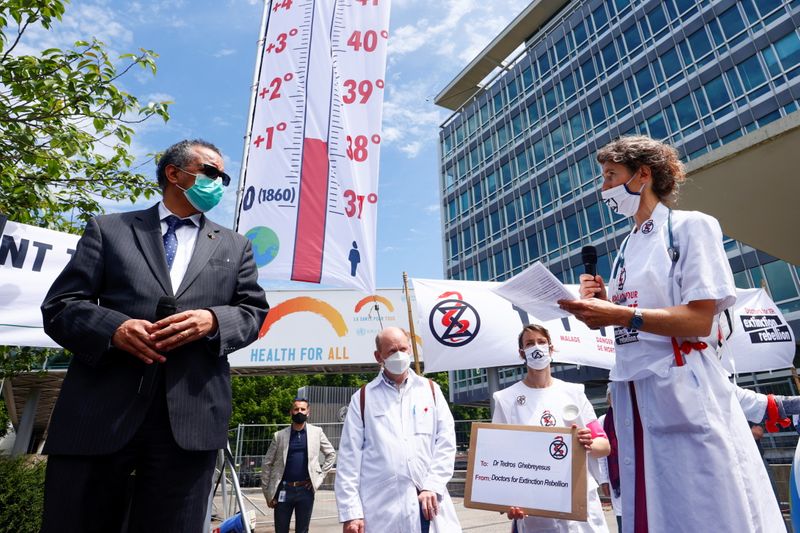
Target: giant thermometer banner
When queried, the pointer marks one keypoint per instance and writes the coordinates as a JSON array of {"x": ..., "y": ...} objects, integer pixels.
[{"x": 310, "y": 191}]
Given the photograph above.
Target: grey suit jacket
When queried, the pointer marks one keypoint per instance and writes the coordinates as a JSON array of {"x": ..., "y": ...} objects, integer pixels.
[
  {"x": 275, "y": 461},
  {"x": 119, "y": 271}
]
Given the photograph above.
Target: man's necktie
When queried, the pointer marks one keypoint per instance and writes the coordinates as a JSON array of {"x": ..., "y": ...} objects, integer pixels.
[{"x": 170, "y": 239}]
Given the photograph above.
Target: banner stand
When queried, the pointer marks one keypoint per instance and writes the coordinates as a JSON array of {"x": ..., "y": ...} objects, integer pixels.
[
  {"x": 411, "y": 332},
  {"x": 248, "y": 133}
]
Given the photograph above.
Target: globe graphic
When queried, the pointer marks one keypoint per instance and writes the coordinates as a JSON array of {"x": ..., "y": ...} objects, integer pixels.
[{"x": 265, "y": 244}]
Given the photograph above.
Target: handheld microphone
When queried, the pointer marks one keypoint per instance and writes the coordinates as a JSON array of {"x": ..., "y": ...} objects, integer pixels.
[
  {"x": 589, "y": 259},
  {"x": 167, "y": 306}
]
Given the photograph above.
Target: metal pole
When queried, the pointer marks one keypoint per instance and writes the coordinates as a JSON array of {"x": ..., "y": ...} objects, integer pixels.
[
  {"x": 411, "y": 324},
  {"x": 237, "y": 490},
  {"x": 262, "y": 36},
  {"x": 493, "y": 383},
  {"x": 239, "y": 445},
  {"x": 24, "y": 434},
  {"x": 224, "y": 485}
]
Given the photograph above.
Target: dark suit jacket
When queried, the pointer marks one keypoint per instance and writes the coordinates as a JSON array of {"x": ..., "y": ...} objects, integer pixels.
[{"x": 119, "y": 271}]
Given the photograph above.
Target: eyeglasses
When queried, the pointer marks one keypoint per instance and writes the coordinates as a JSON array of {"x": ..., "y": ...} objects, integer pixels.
[
  {"x": 211, "y": 172},
  {"x": 214, "y": 173}
]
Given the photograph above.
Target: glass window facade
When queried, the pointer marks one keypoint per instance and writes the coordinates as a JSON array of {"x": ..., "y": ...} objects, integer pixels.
[{"x": 693, "y": 73}]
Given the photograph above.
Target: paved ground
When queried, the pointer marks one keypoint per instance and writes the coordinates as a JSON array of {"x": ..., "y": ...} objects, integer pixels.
[{"x": 324, "y": 519}]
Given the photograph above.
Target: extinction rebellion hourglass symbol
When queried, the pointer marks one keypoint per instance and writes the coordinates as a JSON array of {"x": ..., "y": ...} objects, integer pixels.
[
  {"x": 454, "y": 322},
  {"x": 558, "y": 448}
]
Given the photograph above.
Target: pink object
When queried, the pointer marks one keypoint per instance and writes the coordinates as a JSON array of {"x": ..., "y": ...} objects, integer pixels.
[{"x": 596, "y": 429}]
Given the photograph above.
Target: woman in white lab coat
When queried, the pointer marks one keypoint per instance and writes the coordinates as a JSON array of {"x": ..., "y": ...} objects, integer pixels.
[
  {"x": 540, "y": 400},
  {"x": 686, "y": 456}
]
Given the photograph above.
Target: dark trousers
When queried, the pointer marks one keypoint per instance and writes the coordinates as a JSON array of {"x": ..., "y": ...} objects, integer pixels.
[
  {"x": 299, "y": 500},
  {"x": 424, "y": 523},
  {"x": 87, "y": 494}
]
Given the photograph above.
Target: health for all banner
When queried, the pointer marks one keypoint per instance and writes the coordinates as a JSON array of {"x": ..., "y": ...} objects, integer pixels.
[{"x": 310, "y": 189}]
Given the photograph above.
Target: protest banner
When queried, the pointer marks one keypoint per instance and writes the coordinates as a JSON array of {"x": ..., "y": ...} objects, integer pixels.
[
  {"x": 309, "y": 187},
  {"x": 465, "y": 324},
  {"x": 758, "y": 337},
  {"x": 30, "y": 260},
  {"x": 305, "y": 329},
  {"x": 542, "y": 470}
]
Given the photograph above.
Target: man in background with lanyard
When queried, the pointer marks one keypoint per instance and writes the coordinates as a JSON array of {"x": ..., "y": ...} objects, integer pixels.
[{"x": 291, "y": 472}]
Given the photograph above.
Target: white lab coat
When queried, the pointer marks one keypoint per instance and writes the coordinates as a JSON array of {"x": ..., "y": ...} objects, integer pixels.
[
  {"x": 407, "y": 443},
  {"x": 702, "y": 467},
  {"x": 754, "y": 404},
  {"x": 523, "y": 405}
]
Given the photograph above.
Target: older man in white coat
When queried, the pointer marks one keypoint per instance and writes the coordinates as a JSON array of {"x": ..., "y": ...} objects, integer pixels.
[{"x": 397, "y": 450}]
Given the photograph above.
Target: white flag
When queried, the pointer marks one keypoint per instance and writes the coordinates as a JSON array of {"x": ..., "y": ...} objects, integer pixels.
[
  {"x": 465, "y": 324},
  {"x": 311, "y": 175},
  {"x": 761, "y": 338},
  {"x": 30, "y": 260}
]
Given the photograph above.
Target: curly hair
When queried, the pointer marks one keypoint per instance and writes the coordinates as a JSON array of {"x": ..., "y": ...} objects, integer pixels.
[{"x": 636, "y": 151}]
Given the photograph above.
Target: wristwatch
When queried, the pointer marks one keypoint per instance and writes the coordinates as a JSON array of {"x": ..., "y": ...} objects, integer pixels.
[{"x": 637, "y": 320}]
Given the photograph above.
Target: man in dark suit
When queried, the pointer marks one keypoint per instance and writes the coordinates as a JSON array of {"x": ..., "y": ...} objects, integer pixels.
[{"x": 150, "y": 305}]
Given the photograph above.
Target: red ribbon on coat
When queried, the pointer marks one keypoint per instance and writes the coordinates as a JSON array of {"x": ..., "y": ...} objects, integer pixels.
[
  {"x": 773, "y": 416},
  {"x": 683, "y": 349}
]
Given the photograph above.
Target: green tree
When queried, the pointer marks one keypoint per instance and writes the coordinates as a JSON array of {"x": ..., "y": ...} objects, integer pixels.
[
  {"x": 460, "y": 412},
  {"x": 66, "y": 128},
  {"x": 21, "y": 494},
  {"x": 266, "y": 399}
]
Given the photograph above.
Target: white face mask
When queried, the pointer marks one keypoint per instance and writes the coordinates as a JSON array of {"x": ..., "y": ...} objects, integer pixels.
[
  {"x": 397, "y": 363},
  {"x": 622, "y": 200},
  {"x": 538, "y": 357}
]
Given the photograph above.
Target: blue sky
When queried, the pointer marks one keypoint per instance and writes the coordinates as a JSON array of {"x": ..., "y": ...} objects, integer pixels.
[{"x": 207, "y": 52}]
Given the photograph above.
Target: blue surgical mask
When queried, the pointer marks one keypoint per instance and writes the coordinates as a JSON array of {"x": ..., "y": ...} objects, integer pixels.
[{"x": 205, "y": 194}]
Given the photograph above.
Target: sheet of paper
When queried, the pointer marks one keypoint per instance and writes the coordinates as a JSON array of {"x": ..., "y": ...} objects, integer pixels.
[{"x": 537, "y": 291}]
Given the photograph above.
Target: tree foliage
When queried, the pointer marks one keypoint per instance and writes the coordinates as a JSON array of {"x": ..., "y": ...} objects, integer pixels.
[
  {"x": 266, "y": 399},
  {"x": 66, "y": 127},
  {"x": 21, "y": 494}
]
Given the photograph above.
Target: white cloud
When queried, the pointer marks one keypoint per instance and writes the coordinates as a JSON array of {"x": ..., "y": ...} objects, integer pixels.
[
  {"x": 410, "y": 121},
  {"x": 157, "y": 97},
  {"x": 157, "y": 13},
  {"x": 224, "y": 52},
  {"x": 432, "y": 208},
  {"x": 220, "y": 121},
  {"x": 82, "y": 21},
  {"x": 411, "y": 149},
  {"x": 390, "y": 134},
  {"x": 410, "y": 38},
  {"x": 430, "y": 45}
]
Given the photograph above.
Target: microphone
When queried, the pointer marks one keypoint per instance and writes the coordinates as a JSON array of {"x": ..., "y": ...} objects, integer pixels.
[
  {"x": 589, "y": 259},
  {"x": 167, "y": 306}
]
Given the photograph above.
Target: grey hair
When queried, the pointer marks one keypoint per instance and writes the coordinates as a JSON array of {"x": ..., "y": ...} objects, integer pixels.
[{"x": 180, "y": 155}]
